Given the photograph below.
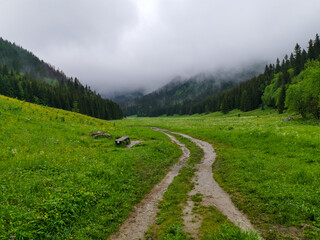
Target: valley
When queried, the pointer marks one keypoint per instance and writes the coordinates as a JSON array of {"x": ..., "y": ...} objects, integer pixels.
[
  {"x": 187, "y": 124},
  {"x": 58, "y": 184}
]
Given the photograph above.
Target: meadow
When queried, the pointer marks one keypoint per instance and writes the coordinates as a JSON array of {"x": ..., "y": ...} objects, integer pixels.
[
  {"x": 58, "y": 184},
  {"x": 270, "y": 167}
]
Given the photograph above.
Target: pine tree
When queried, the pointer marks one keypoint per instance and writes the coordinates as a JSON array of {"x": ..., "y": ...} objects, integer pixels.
[
  {"x": 311, "y": 54},
  {"x": 316, "y": 44},
  {"x": 225, "y": 105},
  {"x": 282, "y": 98},
  {"x": 245, "y": 104},
  {"x": 297, "y": 59},
  {"x": 278, "y": 66}
]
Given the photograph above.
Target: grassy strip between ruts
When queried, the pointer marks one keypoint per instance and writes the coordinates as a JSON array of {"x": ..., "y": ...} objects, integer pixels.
[{"x": 169, "y": 223}]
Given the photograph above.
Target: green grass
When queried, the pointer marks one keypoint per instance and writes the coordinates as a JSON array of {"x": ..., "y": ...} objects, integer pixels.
[
  {"x": 270, "y": 167},
  {"x": 215, "y": 226},
  {"x": 58, "y": 184}
]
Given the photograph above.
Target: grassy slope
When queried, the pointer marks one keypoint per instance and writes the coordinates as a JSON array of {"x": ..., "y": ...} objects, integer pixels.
[
  {"x": 57, "y": 184},
  {"x": 270, "y": 167}
]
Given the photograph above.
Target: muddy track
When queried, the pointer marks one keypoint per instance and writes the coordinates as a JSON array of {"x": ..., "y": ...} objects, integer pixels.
[
  {"x": 213, "y": 194},
  {"x": 144, "y": 214}
]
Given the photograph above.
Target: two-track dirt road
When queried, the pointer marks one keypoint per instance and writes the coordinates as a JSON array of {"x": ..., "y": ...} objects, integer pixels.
[{"x": 144, "y": 214}]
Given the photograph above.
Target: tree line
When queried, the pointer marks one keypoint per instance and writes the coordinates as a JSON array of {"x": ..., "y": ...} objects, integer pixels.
[
  {"x": 68, "y": 95},
  {"x": 293, "y": 83},
  {"x": 26, "y": 77}
]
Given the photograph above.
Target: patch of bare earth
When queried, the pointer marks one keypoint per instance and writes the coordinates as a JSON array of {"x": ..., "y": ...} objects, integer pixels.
[
  {"x": 144, "y": 214},
  {"x": 133, "y": 143}
]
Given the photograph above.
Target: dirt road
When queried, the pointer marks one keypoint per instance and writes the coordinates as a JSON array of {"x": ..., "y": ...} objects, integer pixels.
[
  {"x": 213, "y": 194},
  {"x": 144, "y": 214}
]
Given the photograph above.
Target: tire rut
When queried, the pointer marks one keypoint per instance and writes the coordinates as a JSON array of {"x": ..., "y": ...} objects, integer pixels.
[
  {"x": 144, "y": 214},
  {"x": 213, "y": 194}
]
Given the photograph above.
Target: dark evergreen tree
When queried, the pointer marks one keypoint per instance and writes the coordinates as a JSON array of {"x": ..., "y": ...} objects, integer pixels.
[
  {"x": 63, "y": 96},
  {"x": 245, "y": 104},
  {"x": 278, "y": 68},
  {"x": 311, "y": 53},
  {"x": 282, "y": 98},
  {"x": 297, "y": 59},
  {"x": 225, "y": 105},
  {"x": 317, "y": 46}
]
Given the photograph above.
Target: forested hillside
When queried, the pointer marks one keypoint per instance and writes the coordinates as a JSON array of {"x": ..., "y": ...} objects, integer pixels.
[
  {"x": 293, "y": 83},
  {"x": 179, "y": 95},
  {"x": 26, "y": 77}
]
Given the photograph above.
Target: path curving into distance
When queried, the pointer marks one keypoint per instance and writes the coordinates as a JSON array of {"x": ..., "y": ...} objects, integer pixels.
[
  {"x": 144, "y": 214},
  {"x": 213, "y": 194}
]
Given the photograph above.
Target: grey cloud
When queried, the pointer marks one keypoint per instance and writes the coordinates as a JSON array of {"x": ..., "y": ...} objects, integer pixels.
[{"x": 122, "y": 44}]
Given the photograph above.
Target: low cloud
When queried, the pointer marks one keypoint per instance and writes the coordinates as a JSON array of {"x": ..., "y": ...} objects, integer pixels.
[{"x": 131, "y": 44}]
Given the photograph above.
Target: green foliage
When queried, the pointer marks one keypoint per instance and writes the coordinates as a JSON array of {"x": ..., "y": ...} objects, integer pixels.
[
  {"x": 69, "y": 95},
  {"x": 272, "y": 92},
  {"x": 228, "y": 232},
  {"x": 57, "y": 183},
  {"x": 281, "y": 99},
  {"x": 216, "y": 226},
  {"x": 270, "y": 167},
  {"x": 26, "y": 77},
  {"x": 266, "y": 89},
  {"x": 182, "y": 96},
  {"x": 303, "y": 95}
]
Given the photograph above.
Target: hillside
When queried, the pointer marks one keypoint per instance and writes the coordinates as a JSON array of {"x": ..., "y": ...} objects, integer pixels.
[
  {"x": 179, "y": 95},
  {"x": 57, "y": 183},
  {"x": 23, "y": 61},
  {"x": 124, "y": 96},
  {"x": 292, "y": 84},
  {"x": 26, "y": 77}
]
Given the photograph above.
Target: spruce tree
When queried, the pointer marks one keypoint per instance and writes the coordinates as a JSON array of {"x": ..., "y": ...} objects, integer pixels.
[
  {"x": 225, "y": 105},
  {"x": 278, "y": 65},
  {"x": 281, "y": 99},
  {"x": 317, "y": 46},
  {"x": 311, "y": 54},
  {"x": 297, "y": 59}
]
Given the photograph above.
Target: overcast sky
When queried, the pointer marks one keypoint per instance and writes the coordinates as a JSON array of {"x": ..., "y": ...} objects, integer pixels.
[{"x": 126, "y": 44}]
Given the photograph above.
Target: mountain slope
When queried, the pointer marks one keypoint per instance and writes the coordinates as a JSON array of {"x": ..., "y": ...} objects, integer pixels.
[
  {"x": 26, "y": 77},
  {"x": 179, "y": 95},
  {"x": 20, "y": 60},
  {"x": 292, "y": 83}
]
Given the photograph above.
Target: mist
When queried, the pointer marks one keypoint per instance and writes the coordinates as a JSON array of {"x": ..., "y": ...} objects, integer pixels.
[{"x": 124, "y": 45}]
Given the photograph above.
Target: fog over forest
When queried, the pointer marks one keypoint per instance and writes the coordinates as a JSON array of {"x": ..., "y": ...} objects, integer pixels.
[{"x": 133, "y": 44}]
